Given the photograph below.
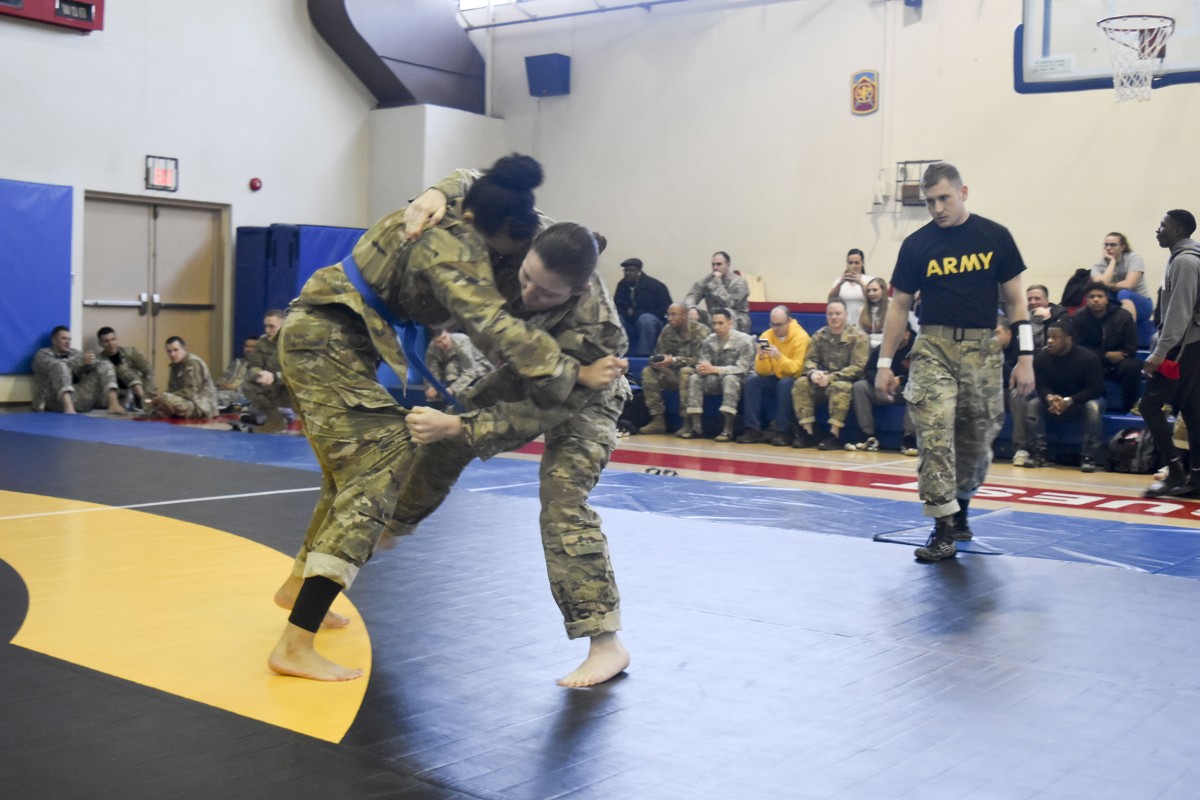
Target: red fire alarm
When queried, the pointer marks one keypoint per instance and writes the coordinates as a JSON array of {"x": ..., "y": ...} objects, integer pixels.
[{"x": 255, "y": 184}]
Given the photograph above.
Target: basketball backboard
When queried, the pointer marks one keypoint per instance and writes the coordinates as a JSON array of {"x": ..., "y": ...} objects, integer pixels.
[{"x": 1058, "y": 47}]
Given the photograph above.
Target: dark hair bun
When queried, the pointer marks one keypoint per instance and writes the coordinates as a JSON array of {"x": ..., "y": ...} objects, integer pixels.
[
  {"x": 601, "y": 241},
  {"x": 517, "y": 172}
]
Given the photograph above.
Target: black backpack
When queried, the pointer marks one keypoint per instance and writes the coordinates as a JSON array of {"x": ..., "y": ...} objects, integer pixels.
[{"x": 1132, "y": 450}]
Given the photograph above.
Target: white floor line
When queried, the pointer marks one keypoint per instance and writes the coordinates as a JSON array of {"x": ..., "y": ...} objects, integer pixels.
[{"x": 160, "y": 503}]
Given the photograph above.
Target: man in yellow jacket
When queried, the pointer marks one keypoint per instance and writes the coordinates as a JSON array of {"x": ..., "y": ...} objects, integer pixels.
[{"x": 778, "y": 361}]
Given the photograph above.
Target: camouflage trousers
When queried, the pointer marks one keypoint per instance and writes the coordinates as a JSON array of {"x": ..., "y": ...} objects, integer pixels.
[
  {"x": 357, "y": 431},
  {"x": 806, "y": 397},
  {"x": 728, "y": 386},
  {"x": 577, "y": 559},
  {"x": 128, "y": 377},
  {"x": 654, "y": 383},
  {"x": 90, "y": 392},
  {"x": 956, "y": 398},
  {"x": 180, "y": 407},
  {"x": 266, "y": 399}
]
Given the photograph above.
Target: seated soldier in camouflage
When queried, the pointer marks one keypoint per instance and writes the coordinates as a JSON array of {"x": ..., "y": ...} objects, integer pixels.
[
  {"x": 229, "y": 383},
  {"x": 334, "y": 335},
  {"x": 455, "y": 363},
  {"x": 191, "y": 392},
  {"x": 135, "y": 373},
  {"x": 836, "y": 358},
  {"x": 264, "y": 386},
  {"x": 726, "y": 360},
  {"x": 69, "y": 381},
  {"x": 674, "y": 359}
]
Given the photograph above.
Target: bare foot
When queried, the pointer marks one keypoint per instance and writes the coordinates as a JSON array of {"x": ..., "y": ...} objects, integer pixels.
[
  {"x": 606, "y": 659},
  {"x": 285, "y": 598},
  {"x": 295, "y": 656}
]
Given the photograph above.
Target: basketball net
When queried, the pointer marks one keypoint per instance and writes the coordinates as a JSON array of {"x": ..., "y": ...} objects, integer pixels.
[{"x": 1135, "y": 43}]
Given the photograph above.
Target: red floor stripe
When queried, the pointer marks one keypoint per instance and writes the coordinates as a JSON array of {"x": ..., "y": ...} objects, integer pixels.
[{"x": 1039, "y": 498}]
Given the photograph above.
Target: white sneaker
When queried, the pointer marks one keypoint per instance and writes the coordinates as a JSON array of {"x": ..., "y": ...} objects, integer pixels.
[{"x": 1020, "y": 457}]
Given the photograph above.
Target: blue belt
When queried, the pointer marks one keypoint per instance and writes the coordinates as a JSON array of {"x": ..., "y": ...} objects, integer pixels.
[{"x": 408, "y": 331}]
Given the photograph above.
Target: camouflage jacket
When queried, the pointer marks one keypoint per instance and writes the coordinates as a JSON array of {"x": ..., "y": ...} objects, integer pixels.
[
  {"x": 190, "y": 378},
  {"x": 131, "y": 367},
  {"x": 445, "y": 275},
  {"x": 264, "y": 358},
  {"x": 734, "y": 356},
  {"x": 45, "y": 359},
  {"x": 731, "y": 292},
  {"x": 234, "y": 374},
  {"x": 685, "y": 346},
  {"x": 843, "y": 357},
  {"x": 459, "y": 366}
]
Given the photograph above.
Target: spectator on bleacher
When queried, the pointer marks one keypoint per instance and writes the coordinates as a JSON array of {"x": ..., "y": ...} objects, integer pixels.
[
  {"x": 1123, "y": 273},
  {"x": 836, "y": 357},
  {"x": 264, "y": 386},
  {"x": 675, "y": 356},
  {"x": 865, "y": 398},
  {"x": 455, "y": 362},
  {"x": 851, "y": 287},
  {"x": 229, "y": 384},
  {"x": 1070, "y": 385},
  {"x": 642, "y": 304},
  {"x": 874, "y": 311},
  {"x": 778, "y": 361},
  {"x": 723, "y": 288},
  {"x": 135, "y": 374},
  {"x": 1178, "y": 335},
  {"x": 1041, "y": 312},
  {"x": 71, "y": 381},
  {"x": 726, "y": 359},
  {"x": 1016, "y": 404},
  {"x": 1109, "y": 331},
  {"x": 191, "y": 392}
]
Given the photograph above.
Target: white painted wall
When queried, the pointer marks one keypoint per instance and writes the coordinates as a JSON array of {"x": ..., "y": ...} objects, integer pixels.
[{"x": 722, "y": 125}]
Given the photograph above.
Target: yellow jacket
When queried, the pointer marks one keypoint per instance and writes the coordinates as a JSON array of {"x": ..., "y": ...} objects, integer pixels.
[{"x": 792, "y": 351}]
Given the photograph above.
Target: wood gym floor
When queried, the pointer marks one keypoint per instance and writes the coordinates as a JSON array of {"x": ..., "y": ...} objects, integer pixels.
[{"x": 784, "y": 642}]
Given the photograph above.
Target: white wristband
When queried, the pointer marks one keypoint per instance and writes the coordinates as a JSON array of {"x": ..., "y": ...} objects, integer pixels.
[
  {"x": 1025, "y": 338},
  {"x": 883, "y": 363}
]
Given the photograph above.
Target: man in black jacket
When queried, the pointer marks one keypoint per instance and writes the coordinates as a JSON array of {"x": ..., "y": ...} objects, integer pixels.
[
  {"x": 1110, "y": 332},
  {"x": 1070, "y": 385},
  {"x": 642, "y": 303}
]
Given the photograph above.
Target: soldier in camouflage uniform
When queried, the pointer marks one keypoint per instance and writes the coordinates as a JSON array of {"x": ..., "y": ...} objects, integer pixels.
[
  {"x": 338, "y": 330},
  {"x": 723, "y": 288},
  {"x": 135, "y": 373},
  {"x": 191, "y": 393},
  {"x": 455, "y": 362},
  {"x": 837, "y": 355},
  {"x": 726, "y": 360},
  {"x": 679, "y": 348},
  {"x": 959, "y": 262},
  {"x": 264, "y": 385},
  {"x": 229, "y": 384},
  {"x": 71, "y": 381}
]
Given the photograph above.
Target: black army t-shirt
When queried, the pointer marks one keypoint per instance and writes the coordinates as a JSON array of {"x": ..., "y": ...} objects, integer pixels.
[{"x": 958, "y": 270}]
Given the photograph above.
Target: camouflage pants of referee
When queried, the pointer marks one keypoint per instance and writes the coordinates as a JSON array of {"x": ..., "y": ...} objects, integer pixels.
[
  {"x": 956, "y": 397},
  {"x": 357, "y": 430}
]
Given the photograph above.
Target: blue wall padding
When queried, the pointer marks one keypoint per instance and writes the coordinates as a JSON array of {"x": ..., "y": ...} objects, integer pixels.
[
  {"x": 35, "y": 269},
  {"x": 250, "y": 284},
  {"x": 319, "y": 246}
]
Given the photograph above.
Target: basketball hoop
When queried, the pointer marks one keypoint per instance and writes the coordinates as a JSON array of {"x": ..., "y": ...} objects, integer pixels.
[{"x": 1135, "y": 41}]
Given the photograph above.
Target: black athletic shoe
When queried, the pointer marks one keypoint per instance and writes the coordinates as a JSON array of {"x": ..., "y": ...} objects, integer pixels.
[
  {"x": 940, "y": 545},
  {"x": 803, "y": 439},
  {"x": 830, "y": 442},
  {"x": 750, "y": 436}
]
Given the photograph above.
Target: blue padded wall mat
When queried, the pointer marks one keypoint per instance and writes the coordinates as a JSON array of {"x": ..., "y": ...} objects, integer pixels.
[{"x": 35, "y": 269}]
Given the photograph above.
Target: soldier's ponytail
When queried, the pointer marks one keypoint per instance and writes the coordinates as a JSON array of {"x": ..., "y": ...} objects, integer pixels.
[{"x": 501, "y": 202}]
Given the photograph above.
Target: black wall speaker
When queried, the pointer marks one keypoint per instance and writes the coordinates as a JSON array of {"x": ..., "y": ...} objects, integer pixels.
[{"x": 549, "y": 75}]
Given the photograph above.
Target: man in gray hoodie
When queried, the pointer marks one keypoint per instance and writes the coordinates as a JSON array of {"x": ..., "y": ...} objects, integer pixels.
[{"x": 1178, "y": 337}]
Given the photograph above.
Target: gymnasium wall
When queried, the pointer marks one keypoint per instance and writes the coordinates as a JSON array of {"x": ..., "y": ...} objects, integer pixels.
[
  {"x": 716, "y": 125},
  {"x": 233, "y": 89}
]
